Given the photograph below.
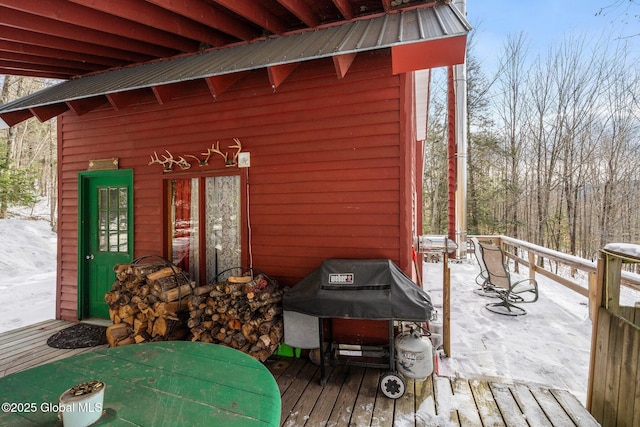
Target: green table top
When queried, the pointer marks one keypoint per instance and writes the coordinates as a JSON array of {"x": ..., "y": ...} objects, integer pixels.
[{"x": 174, "y": 383}]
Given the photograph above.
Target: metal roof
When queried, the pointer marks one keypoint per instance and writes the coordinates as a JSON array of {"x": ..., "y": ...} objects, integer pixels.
[
  {"x": 64, "y": 39},
  {"x": 385, "y": 31}
]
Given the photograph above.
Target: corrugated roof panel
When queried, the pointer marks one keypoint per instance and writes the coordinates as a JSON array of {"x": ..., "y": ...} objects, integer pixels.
[{"x": 409, "y": 26}]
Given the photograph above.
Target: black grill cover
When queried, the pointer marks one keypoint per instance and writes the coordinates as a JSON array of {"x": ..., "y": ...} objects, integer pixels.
[{"x": 359, "y": 289}]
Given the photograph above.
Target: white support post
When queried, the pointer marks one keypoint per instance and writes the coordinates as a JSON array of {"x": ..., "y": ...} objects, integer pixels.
[{"x": 460, "y": 82}]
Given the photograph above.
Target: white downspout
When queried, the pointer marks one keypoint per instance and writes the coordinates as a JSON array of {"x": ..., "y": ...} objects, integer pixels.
[{"x": 460, "y": 85}]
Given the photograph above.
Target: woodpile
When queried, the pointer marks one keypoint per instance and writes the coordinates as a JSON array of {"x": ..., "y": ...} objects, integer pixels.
[
  {"x": 244, "y": 313},
  {"x": 157, "y": 302},
  {"x": 148, "y": 303}
]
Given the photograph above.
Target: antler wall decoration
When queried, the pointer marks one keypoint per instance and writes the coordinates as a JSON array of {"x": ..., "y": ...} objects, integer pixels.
[
  {"x": 215, "y": 149},
  {"x": 200, "y": 161},
  {"x": 168, "y": 162},
  {"x": 238, "y": 145},
  {"x": 228, "y": 162}
]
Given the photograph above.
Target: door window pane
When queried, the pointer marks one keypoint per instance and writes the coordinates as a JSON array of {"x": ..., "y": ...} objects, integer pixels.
[
  {"x": 112, "y": 219},
  {"x": 219, "y": 206},
  {"x": 223, "y": 224},
  {"x": 184, "y": 225}
]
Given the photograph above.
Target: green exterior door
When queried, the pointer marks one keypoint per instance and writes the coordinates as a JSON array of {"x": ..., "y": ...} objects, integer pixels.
[{"x": 105, "y": 236}]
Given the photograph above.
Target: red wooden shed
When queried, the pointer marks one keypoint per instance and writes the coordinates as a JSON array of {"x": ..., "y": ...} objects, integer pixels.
[{"x": 265, "y": 133}]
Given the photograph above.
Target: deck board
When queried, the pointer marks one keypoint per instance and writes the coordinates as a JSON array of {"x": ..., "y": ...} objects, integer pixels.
[
  {"x": 363, "y": 409},
  {"x": 26, "y": 347},
  {"x": 405, "y": 412},
  {"x": 574, "y": 409},
  {"x": 467, "y": 409},
  {"x": 301, "y": 395},
  {"x": 552, "y": 407},
  {"x": 341, "y": 414},
  {"x": 508, "y": 406},
  {"x": 328, "y": 396},
  {"x": 486, "y": 404},
  {"x": 446, "y": 405},
  {"x": 425, "y": 403},
  {"x": 529, "y": 405},
  {"x": 351, "y": 396}
]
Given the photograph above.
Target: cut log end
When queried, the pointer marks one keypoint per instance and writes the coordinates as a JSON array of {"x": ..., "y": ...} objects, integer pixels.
[{"x": 154, "y": 302}]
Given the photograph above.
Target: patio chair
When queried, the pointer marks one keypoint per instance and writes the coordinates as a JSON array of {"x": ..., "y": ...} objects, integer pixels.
[
  {"x": 482, "y": 279},
  {"x": 521, "y": 291}
]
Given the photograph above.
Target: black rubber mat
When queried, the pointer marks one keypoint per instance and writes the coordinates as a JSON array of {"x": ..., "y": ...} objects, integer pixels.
[{"x": 78, "y": 336}]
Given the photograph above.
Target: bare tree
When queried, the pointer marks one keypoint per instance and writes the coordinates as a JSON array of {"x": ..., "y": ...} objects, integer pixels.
[
  {"x": 435, "y": 158},
  {"x": 626, "y": 12},
  {"x": 511, "y": 113},
  {"x": 482, "y": 143},
  {"x": 566, "y": 170},
  {"x": 618, "y": 155}
]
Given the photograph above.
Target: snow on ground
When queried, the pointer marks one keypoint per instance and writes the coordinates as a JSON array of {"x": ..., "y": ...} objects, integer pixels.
[
  {"x": 549, "y": 346},
  {"x": 27, "y": 270}
]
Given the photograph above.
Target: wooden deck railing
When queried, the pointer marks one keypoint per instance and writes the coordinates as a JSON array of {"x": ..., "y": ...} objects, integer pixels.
[
  {"x": 612, "y": 396},
  {"x": 529, "y": 255}
]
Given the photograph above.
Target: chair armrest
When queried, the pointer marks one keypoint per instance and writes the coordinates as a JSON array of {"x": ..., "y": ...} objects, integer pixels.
[{"x": 532, "y": 287}]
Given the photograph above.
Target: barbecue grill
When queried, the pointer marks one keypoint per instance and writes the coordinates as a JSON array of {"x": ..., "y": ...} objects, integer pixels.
[{"x": 359, "y": 289}]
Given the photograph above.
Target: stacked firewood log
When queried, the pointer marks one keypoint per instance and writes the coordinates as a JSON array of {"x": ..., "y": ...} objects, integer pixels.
[
  {"x": 148, "y": 303},
  {"x": 157, "y": 302},
  {"x": 242, "y": 312}
]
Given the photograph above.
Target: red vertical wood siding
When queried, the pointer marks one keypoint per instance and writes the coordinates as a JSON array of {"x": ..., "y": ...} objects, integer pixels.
[{"x": 331, "y": 173}]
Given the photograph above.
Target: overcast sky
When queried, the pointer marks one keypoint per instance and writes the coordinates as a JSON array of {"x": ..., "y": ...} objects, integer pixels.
[{"x": 546, "y": 22}]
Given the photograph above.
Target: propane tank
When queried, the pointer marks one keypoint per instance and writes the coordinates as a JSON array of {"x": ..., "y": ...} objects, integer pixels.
[{"x": 414, "y": 355}]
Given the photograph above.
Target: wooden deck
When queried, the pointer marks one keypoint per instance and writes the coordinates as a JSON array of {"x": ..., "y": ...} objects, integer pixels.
[
  {"x": 352, "y": 397},
  {"x": 27, "y": 347}
]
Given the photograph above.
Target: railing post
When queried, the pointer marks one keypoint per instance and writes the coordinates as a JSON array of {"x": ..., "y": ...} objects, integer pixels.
[
  {"x": 595, "y": 294},
  {"x": 596, "y": 289},
  {"x": 446, "y": 303},
  {"x": 532, "y": 265}
]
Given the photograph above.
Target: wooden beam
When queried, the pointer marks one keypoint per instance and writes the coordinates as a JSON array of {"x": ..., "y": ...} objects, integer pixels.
[
  {"x": 386, "y": 5},
  {"x": 117, "y": 100},
  {"x": 343, "y": 63},
  {"x": 15, "y": 117},
  {"x": 302, "y": 11},
  {"x": 79, "y": 46},
  {"x": 255, "y": 12},
  {"x": 94, "y": 20},
  {"x": 345, "y": 8},
  {"x": 219, "y": 84},
  {"x": 168, "y": 92},
  {"x": 50, "y": 27},
  {"x": 31, "y": 73},
  {"x": 446, "y": 306},
  {"x": 122, "y": 100},
  {"x": 84, "y": 106},
  {"x": 279, "y": 73},
  {"x": 40, "y": 67},
  {"x": 8, "y": 46},
  {"x": 48, "y": 61},
  {"x": 163, "y": 93},
  {"x": 49, "y": 111},
  {"x": 207, "y": 14},
  {"x": 157, "y": 17}
]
